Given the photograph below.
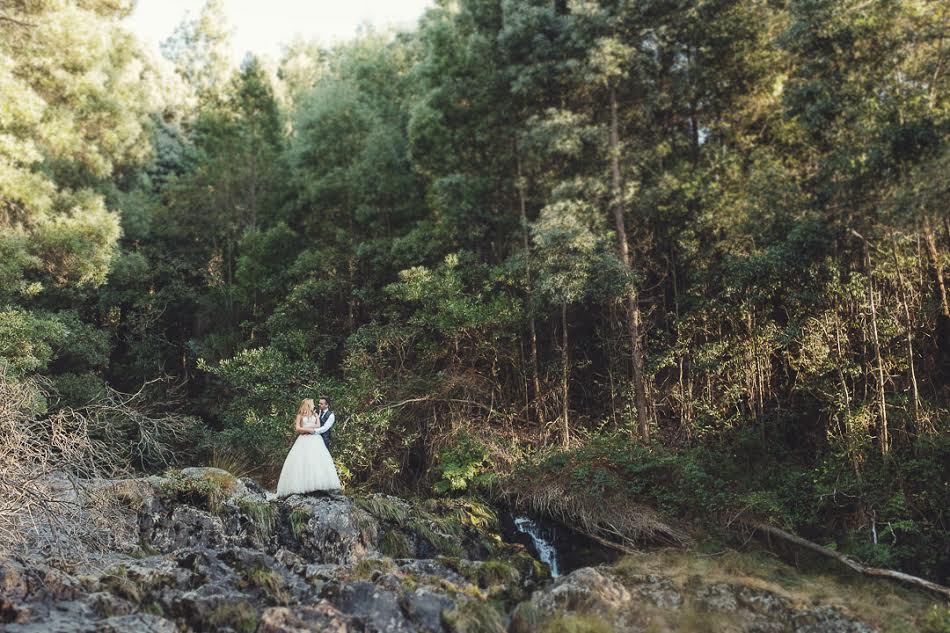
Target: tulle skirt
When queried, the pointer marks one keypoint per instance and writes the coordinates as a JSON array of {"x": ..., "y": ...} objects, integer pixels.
[{"x": 308, "y": 467}]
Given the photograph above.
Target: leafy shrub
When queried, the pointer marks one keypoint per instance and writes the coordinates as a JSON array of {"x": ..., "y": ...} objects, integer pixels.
[{"x": 460, "y": 465}]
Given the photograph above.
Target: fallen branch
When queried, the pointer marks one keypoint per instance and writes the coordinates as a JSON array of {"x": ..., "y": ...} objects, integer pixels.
[{"x": 849, "y": 563}]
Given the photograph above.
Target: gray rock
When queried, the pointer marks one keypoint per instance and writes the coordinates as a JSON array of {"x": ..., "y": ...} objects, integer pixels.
[
  {"x": 378, "y": 609},
  {"x": 658, "y": 590},
  {"x": 188, "y": 526},
  {"x": 584, "y": 590},
  {"x": 331, "y": 529},
  {"x": 138, "y": 622},
  {"x": 321, "y": 617},
  {"x": 424, "y": 608},
  {"x": 828, "y": 619}
]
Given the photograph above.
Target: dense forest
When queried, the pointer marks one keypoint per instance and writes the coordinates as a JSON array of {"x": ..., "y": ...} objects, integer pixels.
[{"x": 586, "y": 255}]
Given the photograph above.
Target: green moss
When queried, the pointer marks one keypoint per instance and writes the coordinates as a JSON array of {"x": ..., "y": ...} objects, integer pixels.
[
  {"x": 262, "y": 515},
  {"x": 238, "y": 615},
  {"x": 577, "y": 624},
  {"x": 370, "y": 568},
  {"x": 207, "y": 492},
  {"x": 299, "y": 517},
  {"x": 473, "y": 616},
  {"x": 118, "y": 582},
  {"x": 270, "y": 582},
  {"x": 485, "y": 574},
  {"x": 144, "y": 550},
  {"x": 395, "y": 544},
  {"x": 496, "y": 572},
  {"x": 528, "y": 566}
]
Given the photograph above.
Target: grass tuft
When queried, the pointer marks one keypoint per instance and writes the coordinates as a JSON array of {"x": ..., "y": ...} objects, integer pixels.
[
  {"x": 579, "y": 624},
  {"x": 299, "y": 517},
  {"x": 385, "y": 508},
  {"x": 473, "y": 616},
  {"x": 270, "y": 582},
  {"x": 239, "y": 616},
  {"x": 371, "y": 568},
  {"x": 395, "y": 544},
  {"x": 262, "y": 515}
]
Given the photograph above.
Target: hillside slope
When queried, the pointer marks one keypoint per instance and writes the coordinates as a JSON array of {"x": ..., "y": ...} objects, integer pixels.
[{"x": 200, "y": 550}]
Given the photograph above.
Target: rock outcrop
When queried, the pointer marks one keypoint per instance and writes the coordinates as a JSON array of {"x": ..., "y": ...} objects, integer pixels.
[{"x": 211, "y": 552}]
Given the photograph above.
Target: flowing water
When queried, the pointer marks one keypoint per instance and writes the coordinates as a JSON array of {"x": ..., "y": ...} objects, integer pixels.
[
  {"x": 543, "y": 541},
  {"x": 560, "y": 548}
]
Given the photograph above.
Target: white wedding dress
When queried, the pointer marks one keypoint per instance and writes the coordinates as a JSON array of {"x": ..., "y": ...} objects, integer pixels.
[{"x": 308, "y": 465}]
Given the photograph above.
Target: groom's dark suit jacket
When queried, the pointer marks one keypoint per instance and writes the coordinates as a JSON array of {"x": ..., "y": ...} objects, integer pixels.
[{"x": 325, "y": 435}]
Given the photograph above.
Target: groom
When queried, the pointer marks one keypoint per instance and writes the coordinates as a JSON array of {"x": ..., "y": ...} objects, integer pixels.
[{"x": 326, "y": 420}]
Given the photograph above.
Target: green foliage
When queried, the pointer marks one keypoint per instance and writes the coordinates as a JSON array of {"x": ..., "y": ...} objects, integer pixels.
[
  {"x": 423, "y": 226},
  {"x": 269, "y": 388},
  {"x": 462, "y": 464}
]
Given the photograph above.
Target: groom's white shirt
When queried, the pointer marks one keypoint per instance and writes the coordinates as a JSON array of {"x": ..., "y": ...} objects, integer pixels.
[{"x": 326, "y": 425}]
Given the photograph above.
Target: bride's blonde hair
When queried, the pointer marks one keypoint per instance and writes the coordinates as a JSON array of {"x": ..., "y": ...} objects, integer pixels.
[{"x": 306, "y": 407}]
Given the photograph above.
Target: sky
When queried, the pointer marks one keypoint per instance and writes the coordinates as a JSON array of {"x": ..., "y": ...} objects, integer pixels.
[{"x": 261, "y": 26}]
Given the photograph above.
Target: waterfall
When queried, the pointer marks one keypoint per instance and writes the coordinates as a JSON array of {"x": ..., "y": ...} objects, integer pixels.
[{"x": 542, "y": 544}]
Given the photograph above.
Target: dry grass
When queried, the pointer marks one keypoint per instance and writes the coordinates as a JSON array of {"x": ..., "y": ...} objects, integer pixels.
[
  {"x": 238, "y": 464},
  {"x": 886, "y": 605},
  {"x": 616, "y": 521}
]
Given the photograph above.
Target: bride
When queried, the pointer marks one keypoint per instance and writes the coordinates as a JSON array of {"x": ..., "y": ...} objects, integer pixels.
[{"x": 308, "y": 466}]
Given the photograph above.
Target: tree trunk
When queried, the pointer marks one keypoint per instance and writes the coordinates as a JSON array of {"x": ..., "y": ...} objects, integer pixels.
[
  {"x": 846, "y": 429},
  {"x": 538, "y": 401},
  {"x": 913, "y": 581},
  {"x": 633, "y": 305},
  {"x": 565, "y": 375},
  {"x": 936, "y": 268},
  {"x": 883, "y": 435},
  {"x": 915, "y": 394}
]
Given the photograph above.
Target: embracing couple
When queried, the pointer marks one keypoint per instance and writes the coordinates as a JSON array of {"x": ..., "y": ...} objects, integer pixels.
[{"x": 309, "y": 466}]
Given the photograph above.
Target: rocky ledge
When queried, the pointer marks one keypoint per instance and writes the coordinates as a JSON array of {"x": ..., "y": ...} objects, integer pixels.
[{"x": 209, "y": 552}]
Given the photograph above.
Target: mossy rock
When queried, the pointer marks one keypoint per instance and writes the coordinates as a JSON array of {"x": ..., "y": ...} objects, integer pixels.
[
  {"x": 576, "y": 624},
  {"x": 240, "y": 616},
  {"x": 269, "y": 582},
  {"x": 200, "y": 488},
  {"x": 386, "y": 508},
  {"x": 486, "y": 574},
  {"x": 525, "y": 618},
  {"x": 395, "y": 544},
  {"x": 372, "y": 568},
  {"x": 118, "y": 582},
  {"x": 263, "y": 515},
  {"x": 528, "y": 566},
  {"x": 299, "y": 517},
  {"x": 221, "y": 479},
  {"x": 473, "y": 616}
]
